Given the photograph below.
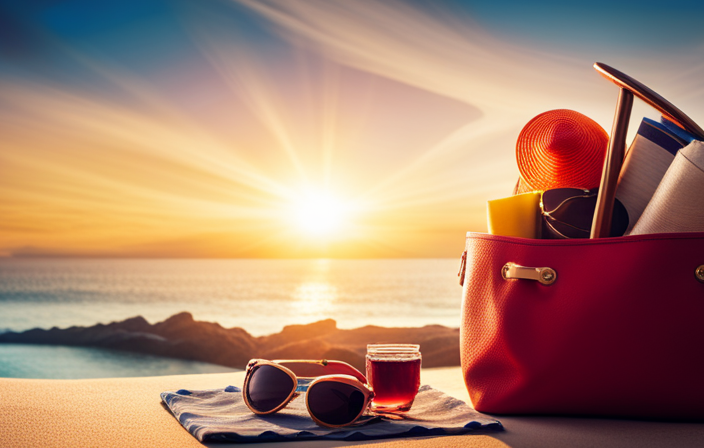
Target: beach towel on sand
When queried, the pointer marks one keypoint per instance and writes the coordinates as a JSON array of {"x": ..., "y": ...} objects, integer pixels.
[{"x": 220, "y": 415}]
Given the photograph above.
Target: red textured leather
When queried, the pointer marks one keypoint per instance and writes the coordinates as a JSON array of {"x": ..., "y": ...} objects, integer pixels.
[{"x": 619, "y": 333}]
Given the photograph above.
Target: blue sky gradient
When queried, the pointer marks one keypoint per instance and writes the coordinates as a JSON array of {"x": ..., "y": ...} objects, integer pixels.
[{"x": 199, "y": 128}]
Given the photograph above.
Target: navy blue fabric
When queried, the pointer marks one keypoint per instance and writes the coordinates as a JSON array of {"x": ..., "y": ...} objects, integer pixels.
[
  {"x": 220, "y": 415},
  {"x": 661, "y": 135},
  {"x": 683, "y": 135}
]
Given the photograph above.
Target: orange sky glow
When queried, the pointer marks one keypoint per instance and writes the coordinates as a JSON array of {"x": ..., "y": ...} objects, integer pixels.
[{"x": 404, "y": 125}]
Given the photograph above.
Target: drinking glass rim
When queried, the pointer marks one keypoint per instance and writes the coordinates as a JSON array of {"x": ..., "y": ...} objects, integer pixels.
[{"x": 393, "y": 348}]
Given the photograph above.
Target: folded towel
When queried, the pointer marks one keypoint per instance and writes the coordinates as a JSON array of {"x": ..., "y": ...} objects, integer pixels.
[
  {"x": 678, "y": 203},
  {"x": 650, "y": 155},
  {"x": 220, "y": 415}
]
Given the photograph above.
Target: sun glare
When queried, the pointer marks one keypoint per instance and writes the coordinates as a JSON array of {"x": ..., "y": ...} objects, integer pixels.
[{"x": 320, "y": 214}]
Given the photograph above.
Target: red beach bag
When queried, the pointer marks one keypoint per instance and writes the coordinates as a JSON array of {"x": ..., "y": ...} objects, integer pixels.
[{"x": 603, "y": 327}]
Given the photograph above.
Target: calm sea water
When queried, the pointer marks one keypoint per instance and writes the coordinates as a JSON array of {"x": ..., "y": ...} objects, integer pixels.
[
  {"x": 65, "y": 363},
  {"x": 261, "y": 296}
]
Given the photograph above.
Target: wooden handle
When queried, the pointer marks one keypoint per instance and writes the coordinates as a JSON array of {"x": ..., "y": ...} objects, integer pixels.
[
  {"x": 601, "y": 224},
  {"x": 615, "y": 153},
  {"x": 646, "y": 94}
]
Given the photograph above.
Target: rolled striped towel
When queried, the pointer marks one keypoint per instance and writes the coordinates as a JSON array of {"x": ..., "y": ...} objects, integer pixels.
[
  {"x": 650, "y": 155},
  {"x": 678, "y": 203}
]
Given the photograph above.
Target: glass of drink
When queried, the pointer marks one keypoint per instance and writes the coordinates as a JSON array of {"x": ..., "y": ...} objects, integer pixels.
[{"x": 393, "y": 372}]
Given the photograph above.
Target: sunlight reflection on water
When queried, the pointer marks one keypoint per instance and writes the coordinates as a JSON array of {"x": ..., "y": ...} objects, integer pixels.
[
  {"x": 315, "y": 299},
  {"x": 260, "y": 296}
]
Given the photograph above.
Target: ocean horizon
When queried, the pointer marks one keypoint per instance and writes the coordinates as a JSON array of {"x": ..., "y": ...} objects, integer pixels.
[{"x": 259, "y": 295}]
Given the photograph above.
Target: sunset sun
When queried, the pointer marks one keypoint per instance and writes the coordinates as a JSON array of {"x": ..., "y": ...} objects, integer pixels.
[{"x": 320, "y": 213}]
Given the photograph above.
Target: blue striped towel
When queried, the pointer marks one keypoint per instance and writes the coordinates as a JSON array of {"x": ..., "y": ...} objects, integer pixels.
[{"x": 220, "y": 415}]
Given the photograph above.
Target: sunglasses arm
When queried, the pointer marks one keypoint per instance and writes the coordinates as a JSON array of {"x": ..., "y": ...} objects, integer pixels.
[{"x": 315, "y": 368}]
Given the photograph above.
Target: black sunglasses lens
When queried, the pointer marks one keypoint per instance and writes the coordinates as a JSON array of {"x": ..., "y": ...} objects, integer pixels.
[
  {"x": 335, "y": 403},
  {"x": 577, "y": 212},
  {"x": 619, "y": 219},
  {"x": 571, "y": 213},
  {"x": 268, "y": 387},
  {"x": 552, "y": 199},
  {"x": 553, "y": 229}
]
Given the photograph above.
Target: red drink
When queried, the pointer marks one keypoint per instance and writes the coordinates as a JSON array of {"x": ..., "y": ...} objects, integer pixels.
[{"x": 394, "y": 376}]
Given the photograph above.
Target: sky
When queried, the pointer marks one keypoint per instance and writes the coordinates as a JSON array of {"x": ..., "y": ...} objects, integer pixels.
[{"x": 287, "y": 129}]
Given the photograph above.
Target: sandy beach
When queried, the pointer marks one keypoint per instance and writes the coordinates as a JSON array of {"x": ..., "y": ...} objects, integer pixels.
[{"x": 128, "y": 413}]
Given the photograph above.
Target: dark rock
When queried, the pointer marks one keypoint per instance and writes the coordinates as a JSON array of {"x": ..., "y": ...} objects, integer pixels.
[
  {"x": 294, "y": 333},
  {"x": 181, "y": 336}
]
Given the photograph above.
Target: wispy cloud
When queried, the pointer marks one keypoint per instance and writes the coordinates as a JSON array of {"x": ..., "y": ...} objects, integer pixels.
[{"x": 407, "y": 114}]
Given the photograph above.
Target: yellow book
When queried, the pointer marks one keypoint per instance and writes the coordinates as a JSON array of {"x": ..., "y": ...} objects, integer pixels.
[{"x": 517, "y": 215}]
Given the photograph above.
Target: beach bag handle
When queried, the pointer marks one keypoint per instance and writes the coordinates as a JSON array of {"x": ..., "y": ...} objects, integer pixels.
[{"x": 616, "y": 150}]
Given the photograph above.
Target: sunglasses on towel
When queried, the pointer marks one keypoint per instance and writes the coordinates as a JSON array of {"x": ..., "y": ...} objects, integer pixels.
[
  {"x": 336, "y": 393},
  {"x": 568, "y": 213}
]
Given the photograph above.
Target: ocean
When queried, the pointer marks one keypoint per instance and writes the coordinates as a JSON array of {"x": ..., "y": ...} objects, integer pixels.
[
  {"x": 261, "y": 296},
  {"x": 68, "y": 363}
]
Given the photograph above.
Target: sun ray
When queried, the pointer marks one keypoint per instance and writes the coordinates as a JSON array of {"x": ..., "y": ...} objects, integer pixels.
[
  {"x": 82, "y": 119},
  {"x": 402, "y": 117},
  {"x": 240, "y": 70},
  {"x": 330, "y": 99}
]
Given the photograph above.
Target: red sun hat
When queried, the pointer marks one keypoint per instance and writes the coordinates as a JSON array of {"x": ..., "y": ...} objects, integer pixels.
[{"x": 561, "y": 149}]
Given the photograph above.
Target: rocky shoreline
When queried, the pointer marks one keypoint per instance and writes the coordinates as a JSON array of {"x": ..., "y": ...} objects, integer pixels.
[{"x": 182, "y": 337}]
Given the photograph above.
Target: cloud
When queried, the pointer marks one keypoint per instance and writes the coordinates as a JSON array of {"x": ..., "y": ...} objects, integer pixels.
[{"x": 408, "y": 113}]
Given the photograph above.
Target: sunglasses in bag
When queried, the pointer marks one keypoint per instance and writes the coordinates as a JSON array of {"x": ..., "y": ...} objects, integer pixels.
[
  {"x": 568, "y": 213},
  {"x": 336, "y": 393}
]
